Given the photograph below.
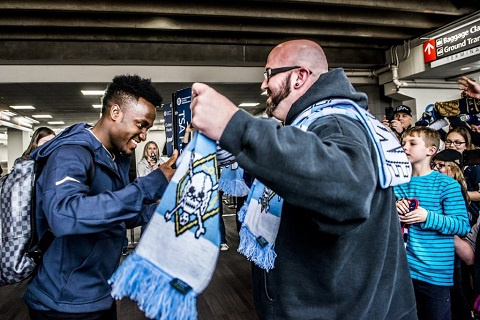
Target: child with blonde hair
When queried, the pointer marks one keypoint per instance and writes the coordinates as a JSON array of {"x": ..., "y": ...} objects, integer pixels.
[{"x": 441, "y": 214}]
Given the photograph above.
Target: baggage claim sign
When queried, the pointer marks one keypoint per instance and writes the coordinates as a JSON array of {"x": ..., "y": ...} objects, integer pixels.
[{"x": 450, "y": 46}]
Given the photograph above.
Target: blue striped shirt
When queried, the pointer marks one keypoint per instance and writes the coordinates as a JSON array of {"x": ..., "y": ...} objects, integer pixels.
[{"x": 430, "y": 248}]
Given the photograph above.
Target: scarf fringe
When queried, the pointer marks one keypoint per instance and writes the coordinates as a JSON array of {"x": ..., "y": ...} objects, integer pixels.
[
  {"x": 236, "y": 188},
  {"x": 145, "y": 283},
  {"x": 264, "y": 257},
  {"x": 243, "y": 212}
]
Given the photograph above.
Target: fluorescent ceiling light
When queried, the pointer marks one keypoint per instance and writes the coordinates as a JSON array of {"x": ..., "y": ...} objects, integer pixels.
[
  {"x": 22, "y": 107},
  {"x": 465, "y": 68},
  {"x": 93, "y": 92},
  {"x": 97, "y": 106},
  {"x": 41, "y": 116},
  {"x": 56, "y": 122},
  {"x": 248, "y": 104}
]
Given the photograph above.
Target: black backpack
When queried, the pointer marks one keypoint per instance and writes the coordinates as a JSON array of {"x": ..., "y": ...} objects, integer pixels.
[{"x": 21, "y": 249}]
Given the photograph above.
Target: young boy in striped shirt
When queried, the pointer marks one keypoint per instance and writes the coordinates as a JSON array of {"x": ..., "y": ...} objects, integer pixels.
[{"x": 441, "y": 214}]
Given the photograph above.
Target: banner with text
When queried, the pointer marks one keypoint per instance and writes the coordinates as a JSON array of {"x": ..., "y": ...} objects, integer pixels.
[
  {"x": 168, "y": 117},
  {"x": 183, "y": 114}
]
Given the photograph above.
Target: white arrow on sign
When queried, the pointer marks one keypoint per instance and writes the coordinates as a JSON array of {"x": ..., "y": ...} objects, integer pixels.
[{"x": 429, "y": 48}]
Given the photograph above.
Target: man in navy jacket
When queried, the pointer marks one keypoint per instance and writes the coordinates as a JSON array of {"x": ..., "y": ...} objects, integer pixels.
[
  {"x": 84, "y": 197},
  {"x": 339, "y": 250}
]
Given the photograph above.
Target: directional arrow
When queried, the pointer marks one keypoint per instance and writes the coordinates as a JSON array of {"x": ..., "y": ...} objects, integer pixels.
[
  {"x": 429, "y": 51},
  {"x": 429, "y": 48}
]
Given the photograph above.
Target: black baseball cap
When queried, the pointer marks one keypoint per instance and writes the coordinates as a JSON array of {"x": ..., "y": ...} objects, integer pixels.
[
  {"x": 451, "y": 156},
  {"x": 474, "y": 120},
  {"x": 404, "y": 109}
]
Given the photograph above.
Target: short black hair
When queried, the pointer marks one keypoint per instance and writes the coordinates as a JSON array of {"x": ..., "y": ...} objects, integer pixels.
[{"x": 124, "y": 86}]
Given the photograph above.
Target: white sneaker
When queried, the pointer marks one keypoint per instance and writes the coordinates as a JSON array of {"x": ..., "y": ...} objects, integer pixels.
[{"x": 224, "y": 247}]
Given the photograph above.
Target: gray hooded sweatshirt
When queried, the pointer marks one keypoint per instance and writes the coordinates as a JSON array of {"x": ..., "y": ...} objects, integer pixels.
[{"x": 340, "y": 252}]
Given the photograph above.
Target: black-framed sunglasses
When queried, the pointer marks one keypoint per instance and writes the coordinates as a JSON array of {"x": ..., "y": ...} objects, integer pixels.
[
  {"x": 437, "y": 166},
  {"x": 268, "y": 73}
]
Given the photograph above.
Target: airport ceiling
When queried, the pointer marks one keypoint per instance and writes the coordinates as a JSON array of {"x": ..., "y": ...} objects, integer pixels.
[{"x": 356, "y": 35}]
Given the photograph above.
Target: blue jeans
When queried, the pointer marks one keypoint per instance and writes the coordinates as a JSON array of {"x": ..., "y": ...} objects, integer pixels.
[{"x": 433, "y": 302}]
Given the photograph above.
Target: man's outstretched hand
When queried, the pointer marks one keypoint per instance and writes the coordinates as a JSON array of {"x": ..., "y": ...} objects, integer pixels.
[
  {"x": 166, "y": 167},
  {"x": 211, "y": 111}
]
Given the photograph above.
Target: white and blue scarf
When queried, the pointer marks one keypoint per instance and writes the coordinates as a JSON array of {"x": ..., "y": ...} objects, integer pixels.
[
  {"x": 261, "y": 213},
  {"x": 178, "y": 252},
  {"x": 231, "y": 181}
]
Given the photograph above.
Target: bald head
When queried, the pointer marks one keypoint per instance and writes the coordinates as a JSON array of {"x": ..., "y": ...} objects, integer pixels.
[
  {"x": 292, "y": 68},
  {"x": 304, "y": 53}
]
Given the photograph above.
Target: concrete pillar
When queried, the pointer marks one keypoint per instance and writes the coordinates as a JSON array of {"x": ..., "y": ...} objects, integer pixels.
[{"x": 18, "y": 141}]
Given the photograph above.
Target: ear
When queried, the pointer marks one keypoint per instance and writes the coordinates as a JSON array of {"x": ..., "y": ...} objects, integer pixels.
[
  {"x": 432, "y": 150},
  {"x": 301, "y": 77},
  {"x": 115, "y": 112}
]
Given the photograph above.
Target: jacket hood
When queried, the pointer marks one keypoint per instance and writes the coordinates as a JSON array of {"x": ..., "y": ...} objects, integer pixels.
[
  {"x": 330, "y": 85},
  {"x": 77, "y": 134}
]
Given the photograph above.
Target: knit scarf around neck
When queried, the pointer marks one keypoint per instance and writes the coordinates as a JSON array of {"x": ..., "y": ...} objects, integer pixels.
[{"x": 261, "y": 213}]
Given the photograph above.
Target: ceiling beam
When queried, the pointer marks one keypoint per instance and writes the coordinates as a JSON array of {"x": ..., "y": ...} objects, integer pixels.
[
  {"x": 65, "y": 52},
  {"x": 16, "y": 35},
  {"x": 442, "y": 7},
  {"x": 166, "y": 24},
  {"x": 180, "y": 13},
  {"x": 193, "y": 7}
]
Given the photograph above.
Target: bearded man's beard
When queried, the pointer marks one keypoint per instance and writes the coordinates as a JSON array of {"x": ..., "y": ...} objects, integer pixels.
[{"x": 275, "y": 99}]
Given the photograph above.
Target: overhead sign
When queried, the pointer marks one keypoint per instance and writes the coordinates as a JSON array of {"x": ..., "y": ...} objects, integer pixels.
[
  {"x": 456, "y": 57},
  {"x": 429, "y": 51},
  {"x": 453, "y": 42}
]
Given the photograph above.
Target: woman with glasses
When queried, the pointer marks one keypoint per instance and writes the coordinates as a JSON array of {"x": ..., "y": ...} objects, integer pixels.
[
  {"x": 449, "y": 162},
  {"x": 459, "y": 139}
]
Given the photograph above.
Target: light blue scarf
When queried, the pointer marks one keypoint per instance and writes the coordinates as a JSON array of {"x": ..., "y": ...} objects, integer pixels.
[
  {"x": 231, "y": 181},
  {"x": 177, "y": 253},
  {"x": 261, "y": 213}
]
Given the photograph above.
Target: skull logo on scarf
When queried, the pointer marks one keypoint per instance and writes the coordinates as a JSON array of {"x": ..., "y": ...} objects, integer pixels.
[{"x": 195, "y": 196}]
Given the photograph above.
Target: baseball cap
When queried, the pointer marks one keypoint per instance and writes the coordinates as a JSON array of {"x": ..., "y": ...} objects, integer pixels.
[
  {"x": 451, "y": 156},
  {"x": 474, "y": 120},
  {"x": 404, "y": 109}
]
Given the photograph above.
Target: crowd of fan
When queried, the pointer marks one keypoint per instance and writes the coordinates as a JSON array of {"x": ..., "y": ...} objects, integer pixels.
[{"x": 431, "y": 233}]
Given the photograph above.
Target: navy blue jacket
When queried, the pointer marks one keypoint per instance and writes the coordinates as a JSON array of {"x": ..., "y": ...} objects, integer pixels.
[{"x": 88, "y": 218}]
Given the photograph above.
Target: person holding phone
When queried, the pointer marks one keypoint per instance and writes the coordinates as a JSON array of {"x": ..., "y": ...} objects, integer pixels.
[
  {"x": 402, "y": 120},
  {"x": 150, "y": 160}
]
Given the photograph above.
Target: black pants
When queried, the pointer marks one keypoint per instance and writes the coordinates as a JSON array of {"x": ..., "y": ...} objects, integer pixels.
[
  {"x": 433, "y": 302},
  {"x": 110, "y": 314}
]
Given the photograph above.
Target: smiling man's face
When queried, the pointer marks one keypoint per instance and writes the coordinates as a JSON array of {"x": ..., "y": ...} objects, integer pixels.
[{"x": 135, "y": 119}]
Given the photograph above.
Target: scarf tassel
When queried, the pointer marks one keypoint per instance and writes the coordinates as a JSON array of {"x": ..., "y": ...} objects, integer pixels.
[
  {"x": 263, "y": 256},
  {"x": 243, "y": 212},
  {"x": 143, "y": 282},
  {"x": 236, "y": 188}
]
